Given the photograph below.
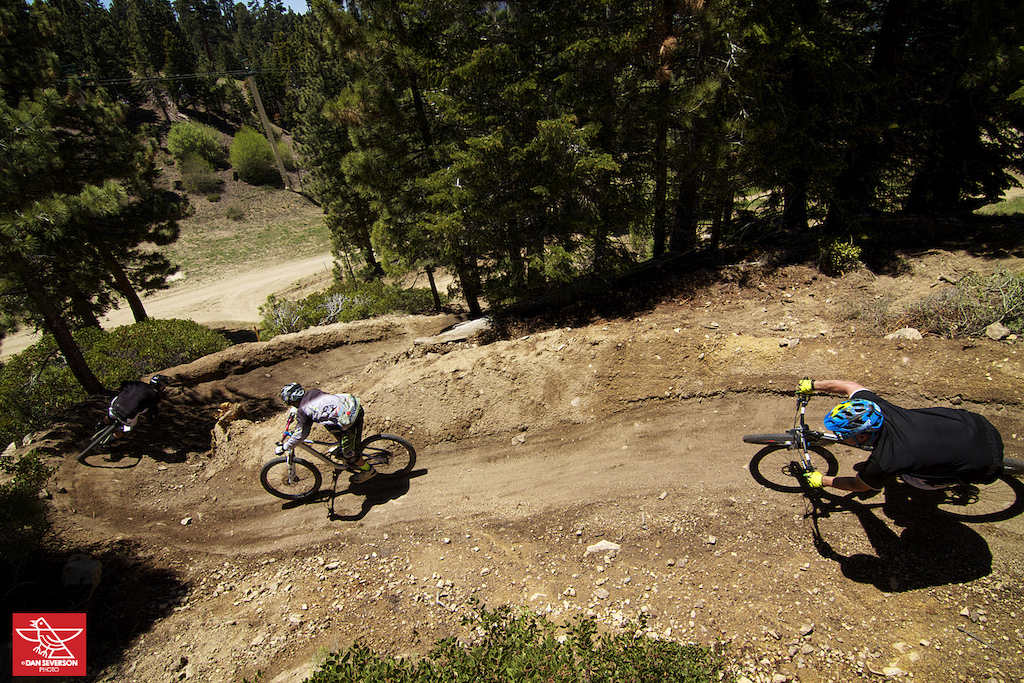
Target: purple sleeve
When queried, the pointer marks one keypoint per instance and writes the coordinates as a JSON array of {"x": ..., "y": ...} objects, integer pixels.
[{"x": 301, "y": 430}]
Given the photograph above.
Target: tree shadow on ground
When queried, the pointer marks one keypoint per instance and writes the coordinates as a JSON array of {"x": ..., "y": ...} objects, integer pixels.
[
  {"x": 132, "y": 595},
  {"x": 931, "y": 550},
  {"x": 181, "y": 425}
]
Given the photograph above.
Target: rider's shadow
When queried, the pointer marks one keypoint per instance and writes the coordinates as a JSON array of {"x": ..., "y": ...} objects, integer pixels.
[
  {"x": 931, "y": 550},
  {"x": 374, "y": 492}
]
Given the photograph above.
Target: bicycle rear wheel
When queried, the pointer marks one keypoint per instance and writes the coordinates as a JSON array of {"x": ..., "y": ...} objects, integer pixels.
[
  {"x": 392, "y": 456},
  {"x": 995, "y": 502},
  {"x": 97, "y": 438},
  {"x": 1013, "y": 467},
  {"x": 770, "y": 466},
  {"x": 296, "y": 481}
]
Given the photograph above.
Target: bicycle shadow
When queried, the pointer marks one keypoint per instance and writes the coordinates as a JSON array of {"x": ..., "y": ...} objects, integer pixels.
[
  {"x": 930, "y": 550},
  {"x": 111, "y": 461},
  {"x": 375, "y": 492}
]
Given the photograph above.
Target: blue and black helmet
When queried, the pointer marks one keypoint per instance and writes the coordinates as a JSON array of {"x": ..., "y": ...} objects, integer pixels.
[{"x": 852, "y": 417}]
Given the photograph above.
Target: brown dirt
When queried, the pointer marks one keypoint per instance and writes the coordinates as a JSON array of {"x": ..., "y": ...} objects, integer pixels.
[{"x": 533, "y": 449}]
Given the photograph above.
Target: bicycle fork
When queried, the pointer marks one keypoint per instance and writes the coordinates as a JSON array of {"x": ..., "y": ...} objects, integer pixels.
[
  {"x": 291, "y": 476},
  {"x": 804, "y": 465}
]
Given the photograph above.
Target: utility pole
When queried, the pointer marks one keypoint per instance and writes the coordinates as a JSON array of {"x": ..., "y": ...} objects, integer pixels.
[{"x": 266, "y": 128}]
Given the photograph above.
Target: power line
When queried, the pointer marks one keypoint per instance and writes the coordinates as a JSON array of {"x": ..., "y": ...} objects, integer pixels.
[{"x": 239, "y": 73}]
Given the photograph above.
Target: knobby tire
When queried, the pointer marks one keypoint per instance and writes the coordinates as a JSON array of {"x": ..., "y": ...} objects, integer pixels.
[
  {"x": 1001, "y": 500},
  {"x": 770, "y": 466},
  {"x": 392, "y": 456},
  {"x": 1013, "y": 467},
  {"x": 278, "y": 480},
  {"x": 769, "y": 439}
]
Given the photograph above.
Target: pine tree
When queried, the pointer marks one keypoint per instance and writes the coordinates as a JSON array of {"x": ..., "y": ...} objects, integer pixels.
[{"x": 77, "y": 199}]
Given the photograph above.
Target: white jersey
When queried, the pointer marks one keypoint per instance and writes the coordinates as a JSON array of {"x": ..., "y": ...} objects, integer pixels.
[{"x": 334, "y": 411}]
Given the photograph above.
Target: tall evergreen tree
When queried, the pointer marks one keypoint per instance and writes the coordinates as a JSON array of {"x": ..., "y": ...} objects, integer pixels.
[{"x": 77, "y": 199}]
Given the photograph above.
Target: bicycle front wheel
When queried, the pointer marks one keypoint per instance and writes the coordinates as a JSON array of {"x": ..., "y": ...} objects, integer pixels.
[
  {"x": 769, "y": 439},
  {"x": 295, "y": 480},
  {"x": 98, "y": 438},
  {"x": 392, "y": 456},
  {"x": 770, "y": 466}
]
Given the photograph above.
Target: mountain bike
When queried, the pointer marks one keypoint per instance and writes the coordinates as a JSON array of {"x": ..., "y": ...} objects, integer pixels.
[
  {"x": 134, "y": 404},
  {"x": 787, "y": 456},
  {"x": 293, "y": 478},
  {"x": 781, "y": 464},
  {"x": 101, "y": 436}
]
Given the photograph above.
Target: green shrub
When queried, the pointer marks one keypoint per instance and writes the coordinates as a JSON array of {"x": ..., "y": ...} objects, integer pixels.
[
  {"x": 341, "y": 303},
  {"x": 23, "y": 520},
  {"x": 284, "y": 149},
  {"x": 517, "y": 645},
  {"x": 234, "y": 212},
  {"x": 839, "y": 256},
  {"x": 253, "y": 158},
  {"x": 197, "y": 175},
  {"x": 36, "y": 384},
  {"x": 185, "y": 139},
  {"x": 213, "y": 198}
]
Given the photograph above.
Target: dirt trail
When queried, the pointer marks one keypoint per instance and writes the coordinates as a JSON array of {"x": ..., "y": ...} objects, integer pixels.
[{"x": 534, "y": 450}]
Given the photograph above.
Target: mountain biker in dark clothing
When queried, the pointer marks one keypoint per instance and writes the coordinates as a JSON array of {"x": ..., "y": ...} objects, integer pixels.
[
  {"x": 341, "y": 414},
  {"x": 928, "y": 448},
  {"x": 134, "y": 399}
]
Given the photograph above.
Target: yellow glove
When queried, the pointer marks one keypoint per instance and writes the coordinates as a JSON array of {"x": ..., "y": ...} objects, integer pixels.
[
  {"x": 805, "y": 387},
  {"x": 814, "y": 479}
]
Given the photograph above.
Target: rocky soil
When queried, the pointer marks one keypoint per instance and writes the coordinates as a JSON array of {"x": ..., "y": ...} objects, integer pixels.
[{"x": 595, "y": 469}]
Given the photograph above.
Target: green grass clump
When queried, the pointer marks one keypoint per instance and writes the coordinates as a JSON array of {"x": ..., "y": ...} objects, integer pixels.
[
  {"x": 512, "y": 645},
  {"x": 197, "y": 175},
  {"x": 1010, "y": 207},
  {"x": 974, "y": 303},
  {"x": 340, "y": 304},
  {"x": 36, "y": 384}
]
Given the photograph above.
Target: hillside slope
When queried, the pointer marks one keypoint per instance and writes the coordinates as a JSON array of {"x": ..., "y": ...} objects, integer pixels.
[{"x": 534, "y": 449}]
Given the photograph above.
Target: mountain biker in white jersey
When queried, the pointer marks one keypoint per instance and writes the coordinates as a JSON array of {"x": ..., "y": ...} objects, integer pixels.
[
  {"x": 928, "y": 448},
  {"x": 341, "y": 414}
]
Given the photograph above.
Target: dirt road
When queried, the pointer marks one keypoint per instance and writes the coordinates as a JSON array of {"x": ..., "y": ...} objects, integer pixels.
[
  {"x": 534, "y": 451},
  {"x": 232, "y": 301}
]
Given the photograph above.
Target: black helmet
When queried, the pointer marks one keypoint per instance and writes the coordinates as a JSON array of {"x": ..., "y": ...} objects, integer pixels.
[
  {"x": 159, "y": 381},
  {"x": 292, "y": 393}
]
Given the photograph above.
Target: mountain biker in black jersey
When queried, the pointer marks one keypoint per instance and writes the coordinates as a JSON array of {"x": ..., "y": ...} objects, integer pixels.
[
  {"x": 341, "y": 414},
  {"x": 134, "y": 398},
  {"x": 928, "y": 448}
]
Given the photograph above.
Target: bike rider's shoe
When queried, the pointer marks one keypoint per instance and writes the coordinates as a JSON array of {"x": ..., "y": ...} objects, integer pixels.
[{"x": 363, "y": 475}]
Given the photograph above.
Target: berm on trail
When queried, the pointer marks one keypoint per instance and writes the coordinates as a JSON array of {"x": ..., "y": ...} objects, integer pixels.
[{"x": 595, "y": 469}]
